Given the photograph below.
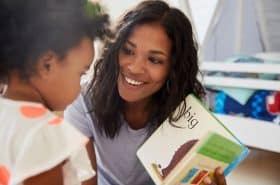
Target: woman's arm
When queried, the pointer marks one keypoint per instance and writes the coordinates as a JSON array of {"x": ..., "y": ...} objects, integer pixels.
[
  {"x": 91, "y": 154},
  {"x": 76, "y": 115}
]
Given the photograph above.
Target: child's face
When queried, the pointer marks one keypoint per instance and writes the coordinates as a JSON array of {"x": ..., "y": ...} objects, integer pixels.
[
  {"x": 60, "y": 84},
  {"x": 144, "y": 63}
]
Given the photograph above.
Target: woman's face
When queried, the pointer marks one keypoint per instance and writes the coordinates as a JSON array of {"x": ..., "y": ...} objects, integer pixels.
[{"x": 144, "y": 62}]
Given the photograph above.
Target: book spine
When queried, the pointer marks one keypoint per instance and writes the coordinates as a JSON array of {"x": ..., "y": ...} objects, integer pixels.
[{"x": 235, "y": 162}]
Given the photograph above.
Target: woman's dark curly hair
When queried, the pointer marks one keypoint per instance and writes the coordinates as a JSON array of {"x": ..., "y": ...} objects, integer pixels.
[
  {"x": 182, "y": 80},
  {"x": 29, "y": 28}
]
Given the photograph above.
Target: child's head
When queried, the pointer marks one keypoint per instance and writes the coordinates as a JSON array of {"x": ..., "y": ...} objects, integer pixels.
[{"x": 48, "y": 45}]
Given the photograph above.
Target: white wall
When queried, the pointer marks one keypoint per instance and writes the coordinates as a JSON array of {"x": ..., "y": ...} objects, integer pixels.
[
  {"x": 234, "y": 32},
  {"x": 118, "y": 7}
]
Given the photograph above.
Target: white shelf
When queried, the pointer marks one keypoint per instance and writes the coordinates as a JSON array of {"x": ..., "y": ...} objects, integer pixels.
[
  {"x": 241, "y": 67},
  {"x": 254, "y": 133},
  {"x": 242, "y": 83}
]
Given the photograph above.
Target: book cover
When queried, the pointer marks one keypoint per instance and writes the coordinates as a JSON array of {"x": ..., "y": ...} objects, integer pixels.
[{"x": 185, "y": 151}]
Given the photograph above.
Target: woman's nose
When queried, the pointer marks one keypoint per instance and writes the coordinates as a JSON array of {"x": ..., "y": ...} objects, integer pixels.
[{"x": 137, "y": 65}]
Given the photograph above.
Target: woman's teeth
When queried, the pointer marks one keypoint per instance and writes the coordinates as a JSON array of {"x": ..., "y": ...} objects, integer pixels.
[{"x": 132, "y": 82}]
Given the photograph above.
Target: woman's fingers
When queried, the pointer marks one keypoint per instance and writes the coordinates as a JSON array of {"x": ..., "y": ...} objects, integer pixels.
[
  {"x": 208, "y": 181},
  {"x": 219, "y": 178}
]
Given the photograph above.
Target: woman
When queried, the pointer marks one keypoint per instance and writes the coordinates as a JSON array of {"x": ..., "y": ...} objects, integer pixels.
[{"x": 145, "y": 71}]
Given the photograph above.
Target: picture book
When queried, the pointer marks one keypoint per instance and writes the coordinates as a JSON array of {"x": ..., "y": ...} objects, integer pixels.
[{"x": 185, "y": 151}]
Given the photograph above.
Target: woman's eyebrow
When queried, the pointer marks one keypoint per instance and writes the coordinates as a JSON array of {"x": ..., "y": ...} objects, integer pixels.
[
  {"x": 152, "y": 51},
  {"x": 131, "y": 43},
  {"x": 158, "y": 52}
]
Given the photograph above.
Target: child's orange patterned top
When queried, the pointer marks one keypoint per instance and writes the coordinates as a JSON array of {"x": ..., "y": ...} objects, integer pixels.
[{"x": 34, "y": 140}]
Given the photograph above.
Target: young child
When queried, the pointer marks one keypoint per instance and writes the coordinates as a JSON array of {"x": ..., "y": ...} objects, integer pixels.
[
  {"x": 145, "y": 72},
  {"x": 45, "y": 47}
]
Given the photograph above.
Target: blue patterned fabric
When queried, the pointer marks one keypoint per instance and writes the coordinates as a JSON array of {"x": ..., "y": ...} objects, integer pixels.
[{"x": 255, "y": 107}]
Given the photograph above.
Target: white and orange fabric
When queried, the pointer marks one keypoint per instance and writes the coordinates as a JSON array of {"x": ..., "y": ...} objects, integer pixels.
[{"x": 34, "y": 140}]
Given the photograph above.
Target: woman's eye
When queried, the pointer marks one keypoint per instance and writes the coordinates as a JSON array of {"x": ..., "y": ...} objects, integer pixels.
[
  {"x": 127, "y": 51},
  {"x": 155, "y": 60}
]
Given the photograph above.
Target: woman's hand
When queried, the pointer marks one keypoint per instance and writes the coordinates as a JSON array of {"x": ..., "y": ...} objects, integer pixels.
[{"x": 219, "y": 178}]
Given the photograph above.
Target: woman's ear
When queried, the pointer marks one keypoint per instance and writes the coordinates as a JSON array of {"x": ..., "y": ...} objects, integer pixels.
[{"x": 47, "y": 64}]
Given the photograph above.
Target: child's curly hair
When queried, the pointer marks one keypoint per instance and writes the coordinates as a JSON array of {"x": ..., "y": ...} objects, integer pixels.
[{"x": 29, "y": 28}]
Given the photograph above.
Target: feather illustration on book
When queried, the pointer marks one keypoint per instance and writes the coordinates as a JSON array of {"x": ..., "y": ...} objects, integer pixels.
[{"x": 178, "y": 155}]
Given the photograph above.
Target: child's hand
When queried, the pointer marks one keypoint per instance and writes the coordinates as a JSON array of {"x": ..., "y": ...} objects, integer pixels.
[{"x": 219, "y": 178}]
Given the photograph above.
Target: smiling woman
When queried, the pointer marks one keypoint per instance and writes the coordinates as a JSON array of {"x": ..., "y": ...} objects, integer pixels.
[
  {"x": 144, "y": 66},
  {"x": 146, "y": 70}
]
